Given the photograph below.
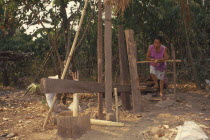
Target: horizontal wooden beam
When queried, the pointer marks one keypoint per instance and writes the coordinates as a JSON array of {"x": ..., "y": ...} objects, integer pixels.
[
  {"x": 140, "y": 62},
  {"x": 71, "y": 86}
]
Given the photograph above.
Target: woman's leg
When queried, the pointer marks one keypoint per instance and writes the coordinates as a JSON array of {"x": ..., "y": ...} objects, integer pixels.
[
  {"x": 161, "y": 76},
  {"x": 154, "y": 78},
  {"x": 153, "y": 75}
]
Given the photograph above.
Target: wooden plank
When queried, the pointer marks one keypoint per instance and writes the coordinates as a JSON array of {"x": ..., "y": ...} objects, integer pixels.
[
  {"x": 131, "y": 47},
  {"x": 100, "y": 59},
  {"x": 71, "y": 86},
  {"x": 140, "y": 62},
  {"x": 123, "y": 60},
  {"x": 108, "y": 58}
]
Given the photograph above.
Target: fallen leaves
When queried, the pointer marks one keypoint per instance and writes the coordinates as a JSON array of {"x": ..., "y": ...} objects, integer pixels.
[
  {"x": 164, "y": 115},
  {"x": 5, "y": 119}
]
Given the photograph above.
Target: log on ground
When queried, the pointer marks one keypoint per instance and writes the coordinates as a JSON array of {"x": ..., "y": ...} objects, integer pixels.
[{"x": 72, "y": 127}]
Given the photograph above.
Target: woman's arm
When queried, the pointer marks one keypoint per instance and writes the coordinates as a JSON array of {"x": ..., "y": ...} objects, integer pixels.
[
  {"x": 148, "y": 55},
  {"x": 166, "y": 56}
]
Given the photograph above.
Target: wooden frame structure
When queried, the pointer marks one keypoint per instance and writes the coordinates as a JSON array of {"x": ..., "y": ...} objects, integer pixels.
[{"x": 70, "y": 86}]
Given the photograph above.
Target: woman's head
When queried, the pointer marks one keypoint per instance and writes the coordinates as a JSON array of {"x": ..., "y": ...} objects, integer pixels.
[{"x": 157, "y": 41}]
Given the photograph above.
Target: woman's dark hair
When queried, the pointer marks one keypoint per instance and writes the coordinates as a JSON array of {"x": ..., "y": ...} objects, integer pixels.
[{"x": 158, "y": 38}]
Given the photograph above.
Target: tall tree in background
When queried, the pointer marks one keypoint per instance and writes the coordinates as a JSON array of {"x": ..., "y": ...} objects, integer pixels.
[{"x": 185, "y": 11}]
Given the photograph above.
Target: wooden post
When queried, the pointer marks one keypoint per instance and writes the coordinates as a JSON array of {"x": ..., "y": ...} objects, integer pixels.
[
  {"x": 100, "y": 59},
  {"x": 131, "y": 47},
  {"x": 123, "y": 60},
  {"x": 108, "y": 58},
  {"x": 174, "y": 70},
  {"x": 116, "y": 104},
  {"x": 68, "y": 60}
]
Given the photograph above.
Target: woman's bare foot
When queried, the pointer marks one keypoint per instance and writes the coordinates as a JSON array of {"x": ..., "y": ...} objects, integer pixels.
[{"x": 162, "y": 96}]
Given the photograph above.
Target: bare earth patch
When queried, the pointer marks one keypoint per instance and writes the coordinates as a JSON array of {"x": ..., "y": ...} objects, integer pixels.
[{"x": 24, "y": 117}]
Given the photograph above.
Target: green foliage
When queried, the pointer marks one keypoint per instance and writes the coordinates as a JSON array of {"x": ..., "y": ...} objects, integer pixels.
[
  {"x": 147, "y": 18},
  {"x": 33, "y": 88}
]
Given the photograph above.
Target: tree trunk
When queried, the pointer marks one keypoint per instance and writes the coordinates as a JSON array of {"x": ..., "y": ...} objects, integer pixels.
[
  {"x": 65, "y": 23},
  {"x": 5, "y": 77},
  {"x": 100, "y": 59},
  {"x": 192, "y": 62},
  {"x": 108, "y": 58},
  {"x": 72, "y": 127}
]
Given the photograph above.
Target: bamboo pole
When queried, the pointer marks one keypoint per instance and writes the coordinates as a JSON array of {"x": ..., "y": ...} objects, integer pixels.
[
  {"x": 106, "y": 123},
  {"x": 116, "y": 104},
  {"x": 140, "y": 62},
  {"x": 68, "y": 60}
]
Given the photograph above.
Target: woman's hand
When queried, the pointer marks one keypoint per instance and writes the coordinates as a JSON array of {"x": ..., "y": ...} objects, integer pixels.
[{"x": 156, "y": 60}]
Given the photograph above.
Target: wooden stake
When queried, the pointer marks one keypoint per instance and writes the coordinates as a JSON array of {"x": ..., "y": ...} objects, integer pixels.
[
  {"x": 75, "y": 104},
  {"x": 131, "y": 48},
  {"x": 76, "y": 96},
  {"x": 100, "y": 59},
  {"x": 116, "y": 104},
  {"x": 174, "y": 70},
  {"x": 108, "y": 58},
  {"x": 68, "y": 60}
]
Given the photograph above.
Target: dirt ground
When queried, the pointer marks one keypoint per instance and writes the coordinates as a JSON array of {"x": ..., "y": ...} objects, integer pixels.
[{"x": 23, "y": 116}]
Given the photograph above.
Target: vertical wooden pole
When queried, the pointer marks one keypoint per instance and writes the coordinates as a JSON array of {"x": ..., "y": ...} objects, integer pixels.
[
  {"x": 123, "y": 60},
  {"x": 108, "y": 58},
  {"x": 131, "y": 48},
  {"x": 116, "y": 104},
  {"x": 100, "y": 59},
  {"x": 174, "y": 70},
  {"x": 76, "y": 96}
]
